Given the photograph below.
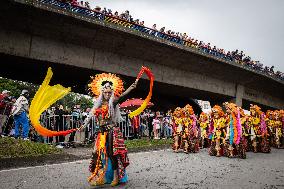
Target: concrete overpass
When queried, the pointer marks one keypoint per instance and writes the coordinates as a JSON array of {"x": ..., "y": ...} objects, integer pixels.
[{"x": 35, "y": 35}]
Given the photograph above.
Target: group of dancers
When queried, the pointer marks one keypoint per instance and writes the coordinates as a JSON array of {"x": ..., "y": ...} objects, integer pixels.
[{"x": 229, "y": 133}]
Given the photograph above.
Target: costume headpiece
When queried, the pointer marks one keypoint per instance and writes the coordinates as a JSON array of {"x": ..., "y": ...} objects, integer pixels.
[
  {"x": 106, "y": 80},
  {"x": 203, "y": 115},
  {"x": 281, "y": 113},
  {"x": 269, "y": 113},
  {"x": 178, "y": 111},
  {"x": 276, "y": 114},
  {"x": 188, "y": 109},
  {"x": 218, "y": 109},
  {"x": 256, "y": 108},
  {"x": 231, "y": 106}
]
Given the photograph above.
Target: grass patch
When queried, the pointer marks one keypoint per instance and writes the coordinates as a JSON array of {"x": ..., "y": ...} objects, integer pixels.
[
  {"x": 144, "y": 143},
  {"x": 11, "y": 148}
]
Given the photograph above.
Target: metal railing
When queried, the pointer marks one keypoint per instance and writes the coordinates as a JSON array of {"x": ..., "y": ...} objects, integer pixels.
[
  {"x": 66, "y": 122},
  {"x": 89, "y": 13}
]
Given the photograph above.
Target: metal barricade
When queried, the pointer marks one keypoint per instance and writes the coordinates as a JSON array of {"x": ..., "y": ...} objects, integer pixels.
[{"x": 73, "y": 122}]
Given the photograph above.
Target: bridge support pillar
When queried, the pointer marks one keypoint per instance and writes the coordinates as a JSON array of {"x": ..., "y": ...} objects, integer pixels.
[{"x": 238, "y": 100}]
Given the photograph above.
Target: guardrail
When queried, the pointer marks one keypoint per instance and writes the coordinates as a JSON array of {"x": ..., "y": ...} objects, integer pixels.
[{"x": 66, "y": 122}]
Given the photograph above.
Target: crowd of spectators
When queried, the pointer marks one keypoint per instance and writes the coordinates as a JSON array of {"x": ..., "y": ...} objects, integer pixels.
[{"x": 177, "y": 37}]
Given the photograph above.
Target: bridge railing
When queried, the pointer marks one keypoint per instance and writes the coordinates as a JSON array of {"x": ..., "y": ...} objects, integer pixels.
[{"x": 155, "y": 33}]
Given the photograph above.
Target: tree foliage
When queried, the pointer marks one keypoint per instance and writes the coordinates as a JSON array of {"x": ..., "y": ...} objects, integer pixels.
[{"x": 69, "y": 101}]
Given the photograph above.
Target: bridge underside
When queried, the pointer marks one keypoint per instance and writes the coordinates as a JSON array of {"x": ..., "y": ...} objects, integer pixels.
[
  {"x": 165, "y": 96},
  {"x": 32, "y": 39}
]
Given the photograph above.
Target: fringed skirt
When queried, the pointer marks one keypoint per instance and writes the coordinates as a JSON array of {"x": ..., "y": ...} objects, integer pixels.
[{"x": 110, "y": 154}]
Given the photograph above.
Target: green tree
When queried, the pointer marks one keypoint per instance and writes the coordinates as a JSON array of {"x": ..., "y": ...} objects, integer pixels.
[
  {"x": 16, "y": 87},
  {"x": 69, "y": 101}
]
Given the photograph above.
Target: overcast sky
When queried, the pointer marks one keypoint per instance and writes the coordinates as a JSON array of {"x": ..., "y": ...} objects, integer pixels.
[{"x": 254, "y": 26}]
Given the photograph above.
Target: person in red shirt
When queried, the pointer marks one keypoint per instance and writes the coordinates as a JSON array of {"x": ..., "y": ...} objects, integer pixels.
[
  {"x": 5, "y": 108},
  {"x": 135, "y": 122}
]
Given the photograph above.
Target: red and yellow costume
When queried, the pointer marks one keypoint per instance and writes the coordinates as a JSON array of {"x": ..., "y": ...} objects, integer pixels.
[
  {"x": 190, "y": 130},
  {"x": 234, "y": 142},
  {"x": 259, "y": 133},
  {"x": 217, "y": 132},
  {"x": 274, "y": 123},
  {"x": 177, "y": 128},
  {"x": 204, "y": 125}
]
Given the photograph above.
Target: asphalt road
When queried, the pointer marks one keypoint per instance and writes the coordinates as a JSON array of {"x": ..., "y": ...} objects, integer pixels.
[{"x": 162, "y": 169}]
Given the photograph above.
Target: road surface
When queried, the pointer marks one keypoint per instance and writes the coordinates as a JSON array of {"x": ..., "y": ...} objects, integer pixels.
[{"x": 161, "y": 169}]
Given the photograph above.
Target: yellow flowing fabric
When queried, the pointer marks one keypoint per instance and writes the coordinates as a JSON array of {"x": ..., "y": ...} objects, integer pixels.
[{"x": 43, "y": 99}]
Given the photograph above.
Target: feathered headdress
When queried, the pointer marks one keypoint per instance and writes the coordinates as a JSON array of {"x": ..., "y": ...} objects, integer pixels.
[
  {"x": 101, "y": 79},
  {"x": 256, "y": 108},
  {"x": 177, "y": 112},
  {"x": 188, "y": 109},
  {"x": 203, "y": 116},
  {"x": 218, "y": 109}
]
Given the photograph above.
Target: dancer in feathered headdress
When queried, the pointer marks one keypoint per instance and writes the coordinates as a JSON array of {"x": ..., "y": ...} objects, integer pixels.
[
  {"x": 277, "y": 128},
  {"x": 234, "y": 131},
  {"x": 190, "y": 130},
  {"x": 109, "y": 158},
  {"x": 217, "y": 131},
  {"x": 204, "y": 124},
  {"x": 110, "y": 155},
  {"x": 177, "y": 128},
  {"x": 259, "y": 133}
]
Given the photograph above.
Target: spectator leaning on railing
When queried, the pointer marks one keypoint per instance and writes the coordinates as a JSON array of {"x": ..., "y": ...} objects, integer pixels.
[{"x": 175, "y": 37}]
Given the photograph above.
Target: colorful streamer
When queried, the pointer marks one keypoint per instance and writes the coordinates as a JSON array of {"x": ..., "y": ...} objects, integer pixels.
[
  {"x": 43, "y": 99},
  {"x": 150, "y": 75}
]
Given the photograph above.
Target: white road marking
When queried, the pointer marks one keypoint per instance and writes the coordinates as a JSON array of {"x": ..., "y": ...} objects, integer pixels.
[{"x": 48, "y": 165}]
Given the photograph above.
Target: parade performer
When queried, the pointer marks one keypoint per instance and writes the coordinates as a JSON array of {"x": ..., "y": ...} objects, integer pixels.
[
  {"x": 259, "y": 133},
  {"x": 281, "y": 113},
  {"x": 204, "y": 124},
  {"x": 109, "y": 158},
  {"x": 234, "y": 131},
  {"x": 278, "y": 129},
  {"x": 190, "y": 130},
  {"x": 270, "y": 123},
  {"x": 177, "y": 128},
  {"x": 246, "y": 142},
  {"x": 217, "y": 131}
]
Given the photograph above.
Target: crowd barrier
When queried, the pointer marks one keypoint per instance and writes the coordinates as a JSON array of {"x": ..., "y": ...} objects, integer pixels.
[{"x": 66, "y": 122}]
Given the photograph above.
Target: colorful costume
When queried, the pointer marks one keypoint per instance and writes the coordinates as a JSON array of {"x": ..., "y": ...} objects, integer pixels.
[
  {"x": 204, "y": 125},
  {"x": 217, "y": 132},
  {"x": 109, "y": 159},
  {"x": 259, "y": 133},
  {"x": 177, "y": 128},
  {"x": 190, "y": 130},
  {"x": 234, "y": 132},
  {"x": 246, "y": 141},
  {"x": 274, "y": 122},
  {"x": 270, "y": 123}
]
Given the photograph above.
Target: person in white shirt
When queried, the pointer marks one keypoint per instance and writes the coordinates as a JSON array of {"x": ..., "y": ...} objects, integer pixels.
[{"x": 19, "y": 111}]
